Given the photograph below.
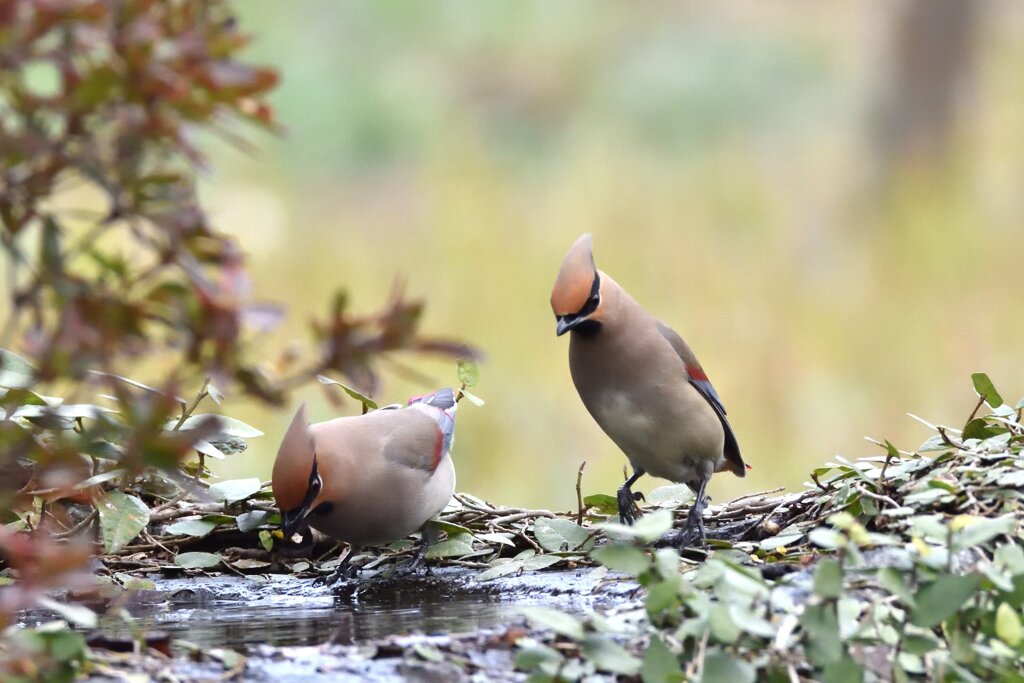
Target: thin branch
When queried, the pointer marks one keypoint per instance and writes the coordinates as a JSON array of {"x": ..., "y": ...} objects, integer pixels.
[{"x": 579, "y": 493}]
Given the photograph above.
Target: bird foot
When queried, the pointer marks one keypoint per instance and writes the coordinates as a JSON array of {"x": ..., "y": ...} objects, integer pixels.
[
  {"x": 345, "y": 570},
  {"x": 413, "y": 566},
  {"x": 629, "y": 511}
]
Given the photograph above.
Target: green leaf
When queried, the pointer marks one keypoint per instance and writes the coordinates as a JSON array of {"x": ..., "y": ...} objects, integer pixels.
[
  {"x": 554, "y": 620},
  {"x": 134, "y": 583},
  {"x": 980, "y": 429},
  {"x": 1011, "y": 556},
  {"x": 560, "y": 535},
  {"x": 247, "y": 521},
  {"x": 750, "y": 621},
  {"x": 607, "y": 655},
  {"x": 208, "y": 449},
  {"x": 234, "y": 490},
  {"x": 891, "y": 579},
  {"x": 538, "y": 562},
  {"x": 68, "y": 411},
  {"x": 917, "y": 644},
  {"x": 449, "y": 528},
  {"x": 663, "y": 595},
  {"x": 458, "y": 545},
  {"x": 215, "y": 394},
  {"x": 724, "y": 667},
  {"x": 266, "y": 540},
  {"x": 783, "y": 540},
  {"x": 100, "y": 478},
  {"x": 622, "y": 557},
  {"x": 970, "y": 531},
  {"x": 646, "y": 529},
  {"x": 197, "y": 560},
  {"x": 532, "y": 657},
  {"x": 983, "y": 385},
  {"x": 228, "y": 426},
  {"x": 502, "y": 538},
  {"x": 502, "y": 567},
  {"x": 603, "y": 503},
  {"x": 823, "y": 537},
  {"x": 138, "y": 385},
  {"x": 720, "y": 623},
  {"x": 122, "y": 517},
  {"x": 469, "y": 372},
  {"x": 472, "y": 398},
  {"x": 821, "y": 625},
  {"x": 79, "y": 615},
  {"x": 428, "y": 652},
  {"x": 942, "y": 598},
  {"x": 15, "y": 371},
  {"x": 249, "y": 564},
  {"x": 191, "y": 527},
  {"x": 660, "y": 665},
  {"x": 846, "y": 670},
  {"x": 365, "y": 400},
  {"x": 828, "y": 578},
  {"x": 1008, "y": 626},
  {"x": 672, "y": 496}
]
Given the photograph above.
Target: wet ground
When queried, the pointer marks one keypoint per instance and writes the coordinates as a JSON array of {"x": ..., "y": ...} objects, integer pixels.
[{"x": 286, "y": 627}]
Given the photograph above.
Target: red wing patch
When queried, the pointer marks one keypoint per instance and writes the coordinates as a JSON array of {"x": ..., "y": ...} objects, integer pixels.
[
  {"x": 697, "y": 373},
  {"x": 438, "y": 450}
]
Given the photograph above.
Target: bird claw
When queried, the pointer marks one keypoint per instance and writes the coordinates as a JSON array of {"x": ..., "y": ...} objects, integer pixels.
[
  {"x": 693, "y": 529},
  {"x": 414, "y": 566},
  {"x": 343, "y": 571},
  {"x": 629, "y": 511}
]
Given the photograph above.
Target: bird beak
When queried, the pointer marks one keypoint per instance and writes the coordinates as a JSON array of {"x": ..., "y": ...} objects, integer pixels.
[
  {"x": 293, "y": 521},
  {"x": 565, "y": 323}
]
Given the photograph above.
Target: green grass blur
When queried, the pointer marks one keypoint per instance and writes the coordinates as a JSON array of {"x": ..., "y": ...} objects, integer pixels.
[{"x": 723, "y": 157}]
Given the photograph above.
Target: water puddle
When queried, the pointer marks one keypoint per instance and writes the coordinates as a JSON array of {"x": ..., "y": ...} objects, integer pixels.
[
  {"x": 280, "y": 619},
  {"x": 242, "y": 612}
]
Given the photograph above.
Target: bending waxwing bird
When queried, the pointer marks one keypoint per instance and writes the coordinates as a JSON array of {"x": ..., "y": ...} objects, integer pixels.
[
  {"x": 371, "y": 479},
  {"x": 642, "y": 384}
]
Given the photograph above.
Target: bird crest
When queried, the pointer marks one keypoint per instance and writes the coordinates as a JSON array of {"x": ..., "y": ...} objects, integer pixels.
[
  {"x": 294, "y": 462},
  {"x": 575, "y": 278}
]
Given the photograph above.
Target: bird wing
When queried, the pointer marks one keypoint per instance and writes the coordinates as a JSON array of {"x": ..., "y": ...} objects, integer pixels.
[
  {"x": 415, "y": 439},
  {"x": 699, "y": 380}
]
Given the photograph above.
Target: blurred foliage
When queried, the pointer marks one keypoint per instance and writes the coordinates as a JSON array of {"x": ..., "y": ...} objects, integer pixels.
[
  {"x": 107, "y": 99},
  {"x": 726, "y": 158}
]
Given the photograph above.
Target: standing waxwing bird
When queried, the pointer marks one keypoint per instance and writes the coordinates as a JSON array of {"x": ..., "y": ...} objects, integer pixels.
[
  {"x": 642, "y": 384},
  {"x": 371, "y": 479}
]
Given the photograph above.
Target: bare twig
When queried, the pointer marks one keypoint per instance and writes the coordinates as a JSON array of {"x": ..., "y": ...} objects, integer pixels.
[
  {"x": 579, "y": 493},
  {"x": 977, "y": 407},
  {"x": 524, "y": 514}
]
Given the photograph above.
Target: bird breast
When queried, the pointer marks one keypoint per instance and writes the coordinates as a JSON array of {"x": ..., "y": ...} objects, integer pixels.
[{"x": 650, "y": 410}]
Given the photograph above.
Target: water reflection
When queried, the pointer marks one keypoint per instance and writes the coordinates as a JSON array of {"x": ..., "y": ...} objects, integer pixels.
[{"x": 219, "y": 613}]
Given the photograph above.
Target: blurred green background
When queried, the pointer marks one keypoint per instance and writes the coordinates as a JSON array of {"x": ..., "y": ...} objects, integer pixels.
[{"x": 823, "y": 198}]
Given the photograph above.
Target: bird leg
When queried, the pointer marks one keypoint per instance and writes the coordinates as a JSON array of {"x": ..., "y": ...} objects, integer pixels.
[
  {"x": 626, "y": 499},
  {"x": 695, "y": 518},
  {"x": 344, "y": 570},
  {"x": 429, "y": 534}
]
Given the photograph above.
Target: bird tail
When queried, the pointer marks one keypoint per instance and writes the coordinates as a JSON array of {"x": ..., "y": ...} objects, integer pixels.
[{"x": 442, "y": 398}]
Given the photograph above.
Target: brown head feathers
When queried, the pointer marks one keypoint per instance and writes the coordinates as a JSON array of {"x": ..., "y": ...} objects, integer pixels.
[
  {"x": 575, "y": 278},
  {"x": 294, "y": 463}
]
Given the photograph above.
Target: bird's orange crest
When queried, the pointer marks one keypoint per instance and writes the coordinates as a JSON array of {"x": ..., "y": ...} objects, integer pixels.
[
  {"x": 294, "y": 463},
  {"x": 575, "y": 278}
]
